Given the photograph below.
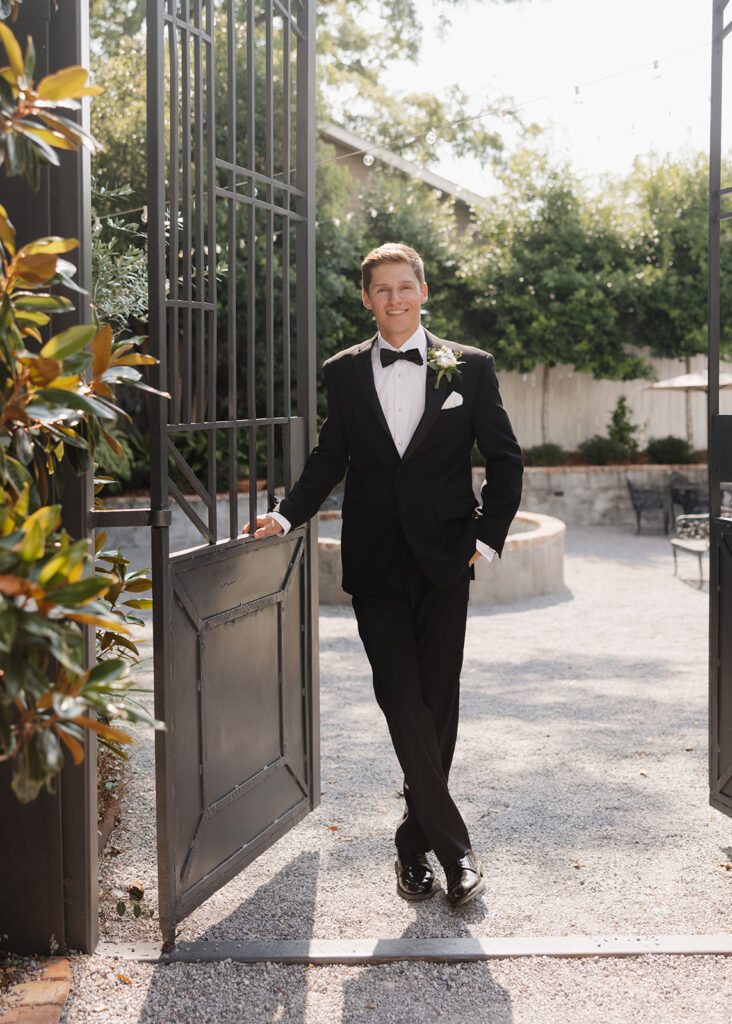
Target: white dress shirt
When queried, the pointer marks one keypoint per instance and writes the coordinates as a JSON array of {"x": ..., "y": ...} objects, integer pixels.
[{"x": 401, "y": 390}]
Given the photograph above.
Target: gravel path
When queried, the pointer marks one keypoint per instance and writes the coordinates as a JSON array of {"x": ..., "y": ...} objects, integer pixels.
[{"x": 581, "y": 770}]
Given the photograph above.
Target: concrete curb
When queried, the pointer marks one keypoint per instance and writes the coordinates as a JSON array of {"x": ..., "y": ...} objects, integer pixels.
[{"x": 40, "y": 1001}]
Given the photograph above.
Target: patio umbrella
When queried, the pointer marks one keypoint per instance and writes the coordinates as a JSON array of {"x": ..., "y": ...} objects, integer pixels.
[{"x": 689, "y": 382}]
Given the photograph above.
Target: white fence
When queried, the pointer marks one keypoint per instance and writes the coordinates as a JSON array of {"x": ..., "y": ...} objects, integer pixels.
[{"x": 580, "y": 406}]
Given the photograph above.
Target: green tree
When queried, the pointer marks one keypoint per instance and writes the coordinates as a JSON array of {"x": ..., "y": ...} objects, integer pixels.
[
  {"x": 552, "y": 278},
  {"x": 670, "y": 200}
]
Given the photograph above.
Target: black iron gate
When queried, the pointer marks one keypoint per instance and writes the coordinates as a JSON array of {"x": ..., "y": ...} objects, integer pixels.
[
  {"x": 231, "y": 234},
  {"x": 720, "y": 462}
]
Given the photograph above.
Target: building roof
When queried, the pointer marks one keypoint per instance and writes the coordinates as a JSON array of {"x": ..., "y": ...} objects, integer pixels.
[{"x": 358, "y": 145}]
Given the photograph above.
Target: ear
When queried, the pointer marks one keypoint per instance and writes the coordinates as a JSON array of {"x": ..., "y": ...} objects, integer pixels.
[
  {"x": 366, "y": 300},
  {"x": 423, "y": 297}
]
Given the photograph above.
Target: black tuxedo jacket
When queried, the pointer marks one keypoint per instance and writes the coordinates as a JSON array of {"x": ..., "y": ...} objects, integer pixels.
[{"x": 428, "y": 492}]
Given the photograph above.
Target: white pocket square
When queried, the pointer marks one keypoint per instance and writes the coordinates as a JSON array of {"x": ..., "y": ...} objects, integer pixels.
[{"x": 453, "y": 400}]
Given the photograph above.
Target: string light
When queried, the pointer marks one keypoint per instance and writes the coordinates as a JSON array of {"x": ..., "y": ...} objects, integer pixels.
[{"x": 368, "y": 159}]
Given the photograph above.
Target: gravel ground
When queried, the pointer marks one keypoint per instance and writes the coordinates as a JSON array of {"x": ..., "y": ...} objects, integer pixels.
[{"x": 581, "y": 770}]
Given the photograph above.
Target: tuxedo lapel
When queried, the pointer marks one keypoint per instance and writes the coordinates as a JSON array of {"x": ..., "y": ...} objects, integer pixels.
[
  {"x": 365, "y": 374},
  {"x": 433, "y": 399}
]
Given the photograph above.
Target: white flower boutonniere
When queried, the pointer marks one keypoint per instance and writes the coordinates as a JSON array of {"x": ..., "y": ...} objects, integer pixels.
[{"x": 444, "y": 361}]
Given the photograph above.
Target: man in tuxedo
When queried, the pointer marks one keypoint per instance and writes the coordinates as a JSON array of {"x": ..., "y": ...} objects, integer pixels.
[{"x": 404, "y": 411}]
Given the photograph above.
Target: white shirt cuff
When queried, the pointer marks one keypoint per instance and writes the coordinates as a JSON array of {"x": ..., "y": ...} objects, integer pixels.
[
  {"x": 485, "y": 551},
  {"x": 284, "y": 523}
]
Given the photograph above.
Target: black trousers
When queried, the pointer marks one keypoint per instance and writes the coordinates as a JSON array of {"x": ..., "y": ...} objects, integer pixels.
[{"x": 413, "y": 633}]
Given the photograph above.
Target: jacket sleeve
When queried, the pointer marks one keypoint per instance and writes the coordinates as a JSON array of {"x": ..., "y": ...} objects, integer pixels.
[
  {"x": 500, "y": 492},
  {"x": 325, "y": 466}
]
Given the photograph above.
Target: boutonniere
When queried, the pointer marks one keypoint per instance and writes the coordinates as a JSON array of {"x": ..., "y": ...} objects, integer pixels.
[{"x": 444, "y": 361}]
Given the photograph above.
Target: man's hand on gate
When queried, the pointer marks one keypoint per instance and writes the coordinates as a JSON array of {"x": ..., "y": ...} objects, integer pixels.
[
  {"x": 266, "y": 527},
  {"x": 475, "y": 558}
]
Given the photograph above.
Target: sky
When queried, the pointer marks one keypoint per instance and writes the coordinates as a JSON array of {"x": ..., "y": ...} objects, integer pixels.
[{"x": 584, "y": 70}]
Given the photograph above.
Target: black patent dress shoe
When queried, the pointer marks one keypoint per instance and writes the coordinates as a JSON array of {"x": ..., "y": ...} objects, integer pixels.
[
  {"x": 464, "y": 879},
  {"x": 415, "y": 877}
]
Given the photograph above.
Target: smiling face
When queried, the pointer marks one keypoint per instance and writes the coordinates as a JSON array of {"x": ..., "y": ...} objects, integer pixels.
[{"x": 395, "y": 297}]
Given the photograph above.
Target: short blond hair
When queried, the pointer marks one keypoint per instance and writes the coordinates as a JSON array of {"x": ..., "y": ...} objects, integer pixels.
[{"x": 391, "y": 252}]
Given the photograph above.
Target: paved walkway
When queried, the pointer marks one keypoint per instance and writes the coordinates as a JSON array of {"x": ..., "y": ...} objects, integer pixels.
[{"x": 581, "y": 770}]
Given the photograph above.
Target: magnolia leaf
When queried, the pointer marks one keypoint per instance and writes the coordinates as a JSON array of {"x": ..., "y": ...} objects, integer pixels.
[
  {"x": 48, "y": 518},
  {"x": 142, "y": 602},
  {"x": 105, "y": 671},
  {"x": 15, "y": 57},
  {"x": 70, "y": 83},
  {"x": 101, "y": 346},
  {"x": 60, "y": 565},
  {"x": 46, "y": 302},
  {"x": 7, "y": 231},
  {"x": 89, "y": 619},
  {"x": 52, "y": 244},
  {"x": 105, "y": 731},
  {"x": 84, "y": 403},
  {"x": 36, "y": 268},
  {"x": 76, "y": 749},
  {"x": 44, "y": 371},
  {"x": 99, "y": 541},
  {"x": 68, "y": 342},
  {"x": 135, "y": 359},
  {"x": 73, "y": 594},
  {"x": 138, "y": 585},
  {"x": 50, "y": 138},
  {"x": 33, "y": 545},
  {"x": 114, "y": 444}
]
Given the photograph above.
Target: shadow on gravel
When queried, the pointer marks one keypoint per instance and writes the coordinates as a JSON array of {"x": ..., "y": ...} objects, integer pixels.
[
  {"x": 270, "y": 913},
  {"x": 413, "y": 991}
]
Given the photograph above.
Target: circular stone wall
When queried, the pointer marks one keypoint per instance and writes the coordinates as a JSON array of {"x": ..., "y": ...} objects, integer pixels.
[{"x": 532, "y": 562}]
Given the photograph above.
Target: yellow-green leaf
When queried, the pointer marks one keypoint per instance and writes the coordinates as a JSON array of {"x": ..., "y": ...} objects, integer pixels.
[
  {"x": 68, "y": 342},
  {"x": 67, "y": 84},
  {"x": 7, "y": 231},
  {"x": 52, "y": 138},
  {"x": 135, "y": 359},
  {"x": 46, "y": 518},
  {"x": 49, "y": 245},
  {"x": 12, "y": 49},
  {"x": 33, "y": 544}
]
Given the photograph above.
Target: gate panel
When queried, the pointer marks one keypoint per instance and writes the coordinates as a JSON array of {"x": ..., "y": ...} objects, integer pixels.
[
  {"x": 720, "y": 459},
  {"x": 231, "y": 250}
]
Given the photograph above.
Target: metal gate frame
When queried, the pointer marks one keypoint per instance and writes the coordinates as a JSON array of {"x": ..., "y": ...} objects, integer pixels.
[
  {"x": 290, "y": 195},
  {"x": 720, "y": 462}
]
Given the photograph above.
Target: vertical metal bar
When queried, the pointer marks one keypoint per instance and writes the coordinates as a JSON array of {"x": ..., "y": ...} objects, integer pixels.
[
  {"x": 185, "y": 125},
  {"x": 286, "y": 115},
  {"x": 269, "y": 248},
  {"x": 715, "y": 162},
  {"x": 305, "y": 257},
  {"x": 208, "y": 278},
  {"x": 251, "y": 263},
  {"x": 158, "y": 449},
  {"x": 199, "y": 161},
  {"x": 174, "y": 414},
  {"x": 233, "y": 266}
]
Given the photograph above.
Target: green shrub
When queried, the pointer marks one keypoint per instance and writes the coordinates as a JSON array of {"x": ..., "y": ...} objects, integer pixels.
[
  {"x": 620, "y": 430},
  {"x": 669, "y": 450},
  {"x": 545, "y": 455},
  {"x": 602, "y": 451}
]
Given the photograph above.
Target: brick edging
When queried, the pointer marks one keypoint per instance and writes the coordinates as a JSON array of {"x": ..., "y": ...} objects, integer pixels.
[{"x": 40, "y": 1001}]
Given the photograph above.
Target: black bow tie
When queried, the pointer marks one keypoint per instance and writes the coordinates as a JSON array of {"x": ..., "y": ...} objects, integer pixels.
[{"x": 388, "y": 357}]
